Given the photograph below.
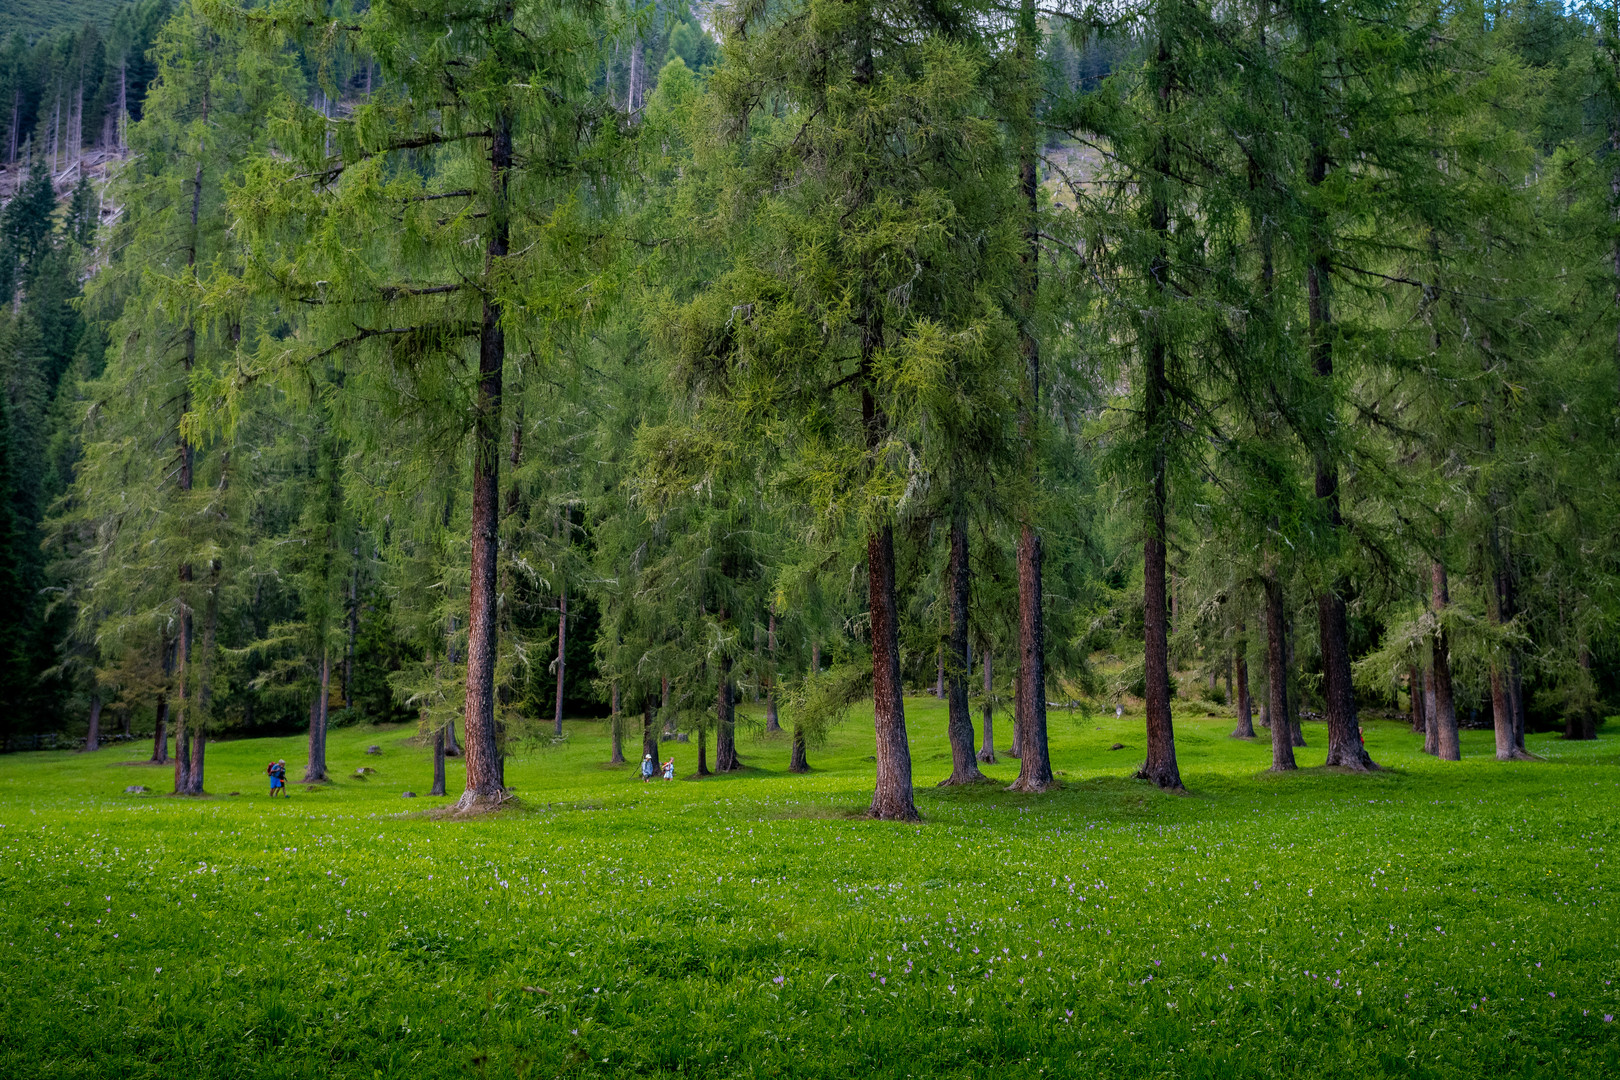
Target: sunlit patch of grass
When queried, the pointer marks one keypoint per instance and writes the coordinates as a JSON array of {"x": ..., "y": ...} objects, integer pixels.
[{"x": 1435, "y": 919}]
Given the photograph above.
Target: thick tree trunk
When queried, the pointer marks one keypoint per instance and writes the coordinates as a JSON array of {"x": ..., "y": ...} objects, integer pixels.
[
  {"x": 438, "y": 763},
  {"x": 1345, "y": 748},
  {"x": 725, "y": 727},
  {"x": 483, "y": 787},
  {"x": 1282, "y": 734},
  {"x": 892, "y": 798},
  {"x": 316, "y": 771},
  {"x": 798, "y": 763},
  {"x": 964, "y": 763},
  {"x": 92, "y": 738},
  {"x": 1445, "y": 708},
  {"x": 1245, "y": 704},
  {"x": 1431, "y": 728},
  {"x": 1035, "y": 766},
  {"x": 182, "y": 757},
  {"x": 616, "y": 723},
  {"x": 987, "y": 745},
  {"x": 773, "y": 726},
  {"x": 562, "y": 643},
  {"x": 1160, "y": 766}
]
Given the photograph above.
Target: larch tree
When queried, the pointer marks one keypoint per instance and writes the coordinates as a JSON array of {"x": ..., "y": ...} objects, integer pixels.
[{"x": 436, "y": 233}]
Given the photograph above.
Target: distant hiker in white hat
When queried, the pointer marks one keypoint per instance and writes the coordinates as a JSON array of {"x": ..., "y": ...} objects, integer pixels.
[{"x": 646, "y": 768}]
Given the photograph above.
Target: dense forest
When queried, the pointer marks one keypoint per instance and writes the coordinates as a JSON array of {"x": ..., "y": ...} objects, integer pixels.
[{"x": 472, "y": 363}]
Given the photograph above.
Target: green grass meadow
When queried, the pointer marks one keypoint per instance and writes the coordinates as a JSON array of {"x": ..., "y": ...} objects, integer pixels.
[{"x": 1433, "y": 920}]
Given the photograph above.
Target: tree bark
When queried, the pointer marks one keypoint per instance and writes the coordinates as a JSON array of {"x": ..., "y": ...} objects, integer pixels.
[
  {"x": 773, "y": 725},
  {"x": 725, "y": 728},
  {"x": 1035, "y": 765},
  {"x": 438, "y": 763},
  {"x": 1445, "y": 710},
  {"x": 616, "y": 723},
  {"x": 892, "y": 798},
  {"x": 798, "y": 762},
  {"x": 964, "y": 763},
  {"x": 1282, "y": 733},
  {"x": 483, "y": 788},
  {"x": 1245, "y": 704},
  {"x": 703, "y": 752},
  {"x": 987, "y": 745},
  {"x": 92, "y": 738},
  {"x": 1160, "y": 766},
  {"x": 316, "y": 771},
  {"x": 182, "y": 727}
]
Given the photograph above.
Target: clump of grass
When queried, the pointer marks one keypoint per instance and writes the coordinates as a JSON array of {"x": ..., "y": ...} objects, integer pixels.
[{"x": 1435, "y": 919}]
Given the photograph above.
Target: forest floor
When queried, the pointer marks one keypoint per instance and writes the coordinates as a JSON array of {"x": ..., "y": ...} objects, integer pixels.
[{"x": 1432, "y": 920}]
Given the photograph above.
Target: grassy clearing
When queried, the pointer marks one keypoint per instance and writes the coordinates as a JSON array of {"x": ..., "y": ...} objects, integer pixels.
[{"x": 1432, "y": 920}]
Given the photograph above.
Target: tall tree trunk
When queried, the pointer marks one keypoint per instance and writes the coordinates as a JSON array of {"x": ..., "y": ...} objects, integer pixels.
[
  {"x": 892, "y": 798},
  {"x": 1035, "y": 764},
  {"x": 182, "y": 757},
  {"x": 1282, "y": 734},
  {"x": 315, "y": 772},
  {"x": 773, "y": 726},
  {"x": 1445, "y": 708},
  {"x": 703, "y": 752},
  {"x": 987, "y": 745},
  {"x": 964, "y": 763},
  {"x": 1345, "y": 748},
  {"x": 438, "y": 763},
  {"x": 616, "y": 725},
  {"x": 483, "y": 788},
  {"x": 1160, "y": 766},
  {"x": 92, "y": 738},
  {"x": 1245, "y": 704},
  {"x": 725, "y": 728},
  {"x": 562, "y": 659},
  {"x": 182, "y": 727}
]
